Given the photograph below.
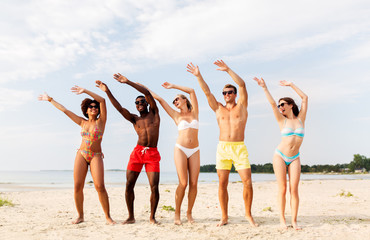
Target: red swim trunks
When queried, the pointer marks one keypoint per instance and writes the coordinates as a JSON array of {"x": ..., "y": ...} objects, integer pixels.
[{"x": 144, "y": 155}]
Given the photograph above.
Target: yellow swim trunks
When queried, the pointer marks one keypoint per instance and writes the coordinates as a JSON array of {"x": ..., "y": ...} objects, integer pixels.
[{"x": 229, "y": 153}]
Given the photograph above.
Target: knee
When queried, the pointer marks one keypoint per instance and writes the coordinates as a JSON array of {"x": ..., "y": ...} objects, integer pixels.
[
  {"x": 294, "y": 191},
  {"x": 129, "y": 186},
  {"x": 183, "y": 185},
  {"x": 247, "y": 184},
  {"x": 282, "y": 189},
  {"x": 154, "y": 188},
  {"x": 100, "y": 188},
  {"x": 78, "y": 187},
  {"x": 193, "y": 184}
]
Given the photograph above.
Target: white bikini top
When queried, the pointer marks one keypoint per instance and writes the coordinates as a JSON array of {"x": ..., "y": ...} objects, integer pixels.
[{"x": 183, "y": 124}]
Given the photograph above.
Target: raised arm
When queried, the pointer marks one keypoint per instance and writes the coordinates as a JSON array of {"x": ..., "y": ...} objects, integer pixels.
[
  {"x": 243, "y": 99},
  {"x": 77, "y": 119},
  {"x": 212, "y": 102},
  {"x": 190, "y": 91},
  {"x": 148, "y": 96},
  {"x": 103, "y": 107},
  {"x": 279, "y": 117},
  {"x": 169, "y": 110},
  {"x": 124, "y": 112},
  {"x": 303, "y": 111}
]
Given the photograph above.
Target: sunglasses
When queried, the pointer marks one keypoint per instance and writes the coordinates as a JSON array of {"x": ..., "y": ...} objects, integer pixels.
[
  {"x": 93, "y": 106},
  {"x": 175, "y": 100},
  {"x": 281, "y": 104},
  {"x": 142, "y": 101},
  {"x": 228, "y": 92}
]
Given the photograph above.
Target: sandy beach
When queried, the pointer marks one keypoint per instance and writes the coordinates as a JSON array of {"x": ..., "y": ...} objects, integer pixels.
[{"x": 326, "y": 212}]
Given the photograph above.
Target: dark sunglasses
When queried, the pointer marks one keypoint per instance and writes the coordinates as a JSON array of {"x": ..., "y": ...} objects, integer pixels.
[
  {"x": 228, "y": 92},
  {"x": 281, "y": 104},
  {"x": 93, "y": 106},
  {"x": 142, "y": 101},
  {"x": 175, "y": 100}
]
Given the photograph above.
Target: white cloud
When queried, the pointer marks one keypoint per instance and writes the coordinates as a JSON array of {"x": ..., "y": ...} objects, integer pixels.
[{"x": 11, "y": 99}]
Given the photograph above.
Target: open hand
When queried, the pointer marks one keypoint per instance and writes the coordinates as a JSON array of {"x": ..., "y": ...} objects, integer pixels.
[
  {"x": 167, "y": 85},
  {"x": 221, "y": 65},
  {"x": 120, "y": 78},
  {"x": 101, "y": 85},
  {"x": 285, "y": 83},
  {"x": 78, "y": 90},
  {"x": 260, "y": 82},
  {"x": 193, "y": 69},
  {"x": 44, "y": 97}
]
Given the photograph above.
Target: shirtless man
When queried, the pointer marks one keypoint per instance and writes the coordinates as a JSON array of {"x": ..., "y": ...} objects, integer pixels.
[
  {"x": 231, "y": 119},
  {"x": 145, "y": 153}
]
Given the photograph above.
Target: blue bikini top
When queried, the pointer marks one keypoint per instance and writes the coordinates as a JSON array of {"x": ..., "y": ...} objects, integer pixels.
[{"x": 287, "y": 131}]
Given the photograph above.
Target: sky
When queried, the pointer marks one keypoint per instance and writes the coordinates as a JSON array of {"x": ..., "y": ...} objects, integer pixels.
[{"x": 49, "y": 46}]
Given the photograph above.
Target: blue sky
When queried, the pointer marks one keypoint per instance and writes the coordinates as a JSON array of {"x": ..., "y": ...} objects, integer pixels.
[{"x": 321, "y": 46}]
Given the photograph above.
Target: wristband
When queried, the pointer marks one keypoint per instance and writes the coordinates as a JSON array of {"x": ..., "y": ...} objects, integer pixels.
[{"x": 50, "y": 99}]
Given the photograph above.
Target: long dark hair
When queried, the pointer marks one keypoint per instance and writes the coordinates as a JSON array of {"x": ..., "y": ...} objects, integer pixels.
[
  {"x": 290, "y": 101},
  {"x": 85, "y": 104}
]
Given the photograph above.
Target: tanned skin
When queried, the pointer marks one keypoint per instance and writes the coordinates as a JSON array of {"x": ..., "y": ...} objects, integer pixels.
[{"x": 146, "y": 125}]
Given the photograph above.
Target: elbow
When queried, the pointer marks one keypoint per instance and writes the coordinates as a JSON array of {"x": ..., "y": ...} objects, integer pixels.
[{"x": 305, "y": 98}]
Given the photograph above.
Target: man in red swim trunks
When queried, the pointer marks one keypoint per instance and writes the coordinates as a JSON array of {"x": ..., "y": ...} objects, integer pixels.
[{"x": 145, "y": 153}]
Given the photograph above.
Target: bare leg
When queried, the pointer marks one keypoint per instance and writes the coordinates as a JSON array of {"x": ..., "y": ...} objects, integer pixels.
[
  {"x": 280, "y": 173},
  {"x": 181, "y": 163},
  {"x": 131, "y": 178},
  {"x": 246, "y": 177},
  {"x": 194, "y": 168},
  {"x": 97, "y": 173},
  {"x": 79, "y": 176},
  {"x": 223, "y": 196},
  {"x": 153, "y": 178},
  {"x": 294, "y": 172}
]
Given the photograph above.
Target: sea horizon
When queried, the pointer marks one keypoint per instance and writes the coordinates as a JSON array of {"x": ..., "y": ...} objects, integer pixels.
[{"x": 11, "y": 181}]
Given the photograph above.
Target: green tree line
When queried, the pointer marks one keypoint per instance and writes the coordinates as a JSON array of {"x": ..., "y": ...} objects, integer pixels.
[{"x": 359, "y": 162}]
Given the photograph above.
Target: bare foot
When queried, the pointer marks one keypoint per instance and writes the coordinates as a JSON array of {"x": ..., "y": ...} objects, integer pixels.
[
  {"x": 153, "y": 221},
  {"x": 222, "y": 222},
  {"x": 129, "y": 221},
  {"x": 177, "y": 220},
  {"x": 283, "y": 225},
  {"x": 190, "y": 218},
  {"x": 78, "y": 220},
  {"x": 110, "y": 221},
  {"x": 295, "y": 226},
  {"x": 251, "y": 221}
]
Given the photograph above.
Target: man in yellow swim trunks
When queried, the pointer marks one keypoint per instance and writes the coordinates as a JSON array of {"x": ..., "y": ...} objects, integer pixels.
[{"x": 231, "y": 119}]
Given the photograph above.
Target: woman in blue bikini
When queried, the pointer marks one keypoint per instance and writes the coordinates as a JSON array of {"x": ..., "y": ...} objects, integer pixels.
[
  {"x": 187, "y": 157},
  {"x": 291, "y": 122}
]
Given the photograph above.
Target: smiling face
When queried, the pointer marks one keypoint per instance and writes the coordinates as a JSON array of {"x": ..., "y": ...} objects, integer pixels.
[
  {"x": 93, "y": 109},
  {"x": 141, "y": 104},
  {"x": 284, "y": 107},
  {"x": 229, "y": 94},
  {"x": 178, "y": 101}
]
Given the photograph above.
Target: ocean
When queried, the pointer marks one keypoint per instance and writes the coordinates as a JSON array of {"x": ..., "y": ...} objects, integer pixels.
[{"x": 52, "y": 179}]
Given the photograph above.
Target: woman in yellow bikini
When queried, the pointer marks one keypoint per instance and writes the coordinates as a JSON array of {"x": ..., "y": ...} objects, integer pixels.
[
  {"x": 187, "y": 157},
  {"x": 90, "y": 152},
  {"x": 291, "y": 122}
]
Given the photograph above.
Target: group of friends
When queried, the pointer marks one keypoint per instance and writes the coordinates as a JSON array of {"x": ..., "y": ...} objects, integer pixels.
[{"x": 231, "y": 117}]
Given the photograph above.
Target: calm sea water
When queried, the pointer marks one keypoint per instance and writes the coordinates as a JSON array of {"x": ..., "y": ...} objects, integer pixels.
[{"x": 44, "y": 180}]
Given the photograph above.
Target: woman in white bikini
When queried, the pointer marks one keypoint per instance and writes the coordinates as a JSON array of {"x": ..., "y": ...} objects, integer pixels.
[
  {"x": 187, "y": 158},
  {"x": 291, "y": 122}
]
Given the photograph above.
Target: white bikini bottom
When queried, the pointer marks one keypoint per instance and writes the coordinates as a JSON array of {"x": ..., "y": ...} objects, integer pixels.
[{"x": 188, "y": 151}]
